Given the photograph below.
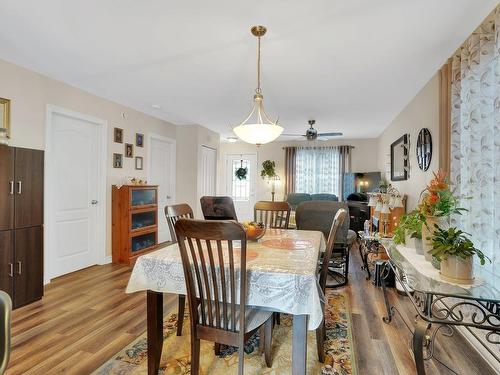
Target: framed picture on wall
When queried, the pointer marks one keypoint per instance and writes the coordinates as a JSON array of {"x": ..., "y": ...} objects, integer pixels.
[
  {"x": 139, "y": 140},
  {"x": 138, "y": 163},
  {"x": 117, "y": 161},
  {"x": 399, "y": 159},
  {"x": 129, "y": 150},
  {"x": 118, "y": 135}
]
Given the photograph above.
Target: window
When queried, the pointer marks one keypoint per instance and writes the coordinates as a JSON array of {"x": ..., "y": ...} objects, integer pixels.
[
  {"x": 240, "y": 189},
  {"x": 317, "y": 170}
]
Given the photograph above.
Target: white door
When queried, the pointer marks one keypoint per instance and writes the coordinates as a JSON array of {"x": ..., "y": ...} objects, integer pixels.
[
  {"x": 162, "y": 173},
  {"x": 242, "y": 191},
  {"x": 73, "y": 196},
  {"x": 208, "y": 171}
]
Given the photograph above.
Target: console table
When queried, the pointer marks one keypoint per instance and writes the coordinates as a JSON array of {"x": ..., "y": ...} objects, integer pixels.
[
  {"x": 439, "y": 302},
  {"x": 369, "y": 244}
]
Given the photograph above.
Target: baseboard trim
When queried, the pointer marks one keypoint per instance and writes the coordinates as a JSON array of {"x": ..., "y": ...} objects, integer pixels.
[{"x": 108, "y": 259}]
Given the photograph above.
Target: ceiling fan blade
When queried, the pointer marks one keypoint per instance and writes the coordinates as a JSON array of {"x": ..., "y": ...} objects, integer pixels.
[
  {"x": 293, "y": 135},
  {"x": 322, "y": 139},
  {"x": 335, "y": 134}
]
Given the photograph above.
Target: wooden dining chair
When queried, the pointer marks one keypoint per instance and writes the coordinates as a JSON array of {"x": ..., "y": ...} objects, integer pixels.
[
  {"x": 338, "y": 221},
  {"x": 218, "y": 208},
  {"x": 174, "y": 213},
  {"x": 216, "y": 297},
  {"x": 272, "y": 214}
]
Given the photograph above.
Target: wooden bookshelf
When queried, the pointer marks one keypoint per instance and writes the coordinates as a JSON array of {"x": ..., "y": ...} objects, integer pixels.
[{"x": 134, "y": 222}]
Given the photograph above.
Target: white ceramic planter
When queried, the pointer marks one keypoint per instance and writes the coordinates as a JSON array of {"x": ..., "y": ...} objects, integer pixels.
[
  {"x": 457, "y": 269},
  {"x": 428, "y": 230},
  {"x": 415, "y": 243}
]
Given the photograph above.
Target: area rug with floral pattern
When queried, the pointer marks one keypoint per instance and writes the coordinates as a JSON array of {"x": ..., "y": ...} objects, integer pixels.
[{"x": 339, "y": 349}]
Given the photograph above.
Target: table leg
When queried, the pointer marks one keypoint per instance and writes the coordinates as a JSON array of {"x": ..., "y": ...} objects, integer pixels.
[
  {"x": 299, "y": 345},
  {"x": 155, "y": 330},
  {"x": 421, "y": 328},
  {"x": 384, "y": 273}
]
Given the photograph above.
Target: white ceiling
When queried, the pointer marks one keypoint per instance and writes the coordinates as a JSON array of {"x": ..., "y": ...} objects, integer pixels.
[{"x": 351, "y": 65}]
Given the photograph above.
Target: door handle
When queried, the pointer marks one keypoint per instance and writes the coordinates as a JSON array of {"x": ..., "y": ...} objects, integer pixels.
[
  {"x": 93, "y": 201},
  {"x": 19, "y": 187},
  {"x": 11, "y": 190},
  {"x": 20, "y": 270},
  {"x": 11, "y": 271}
]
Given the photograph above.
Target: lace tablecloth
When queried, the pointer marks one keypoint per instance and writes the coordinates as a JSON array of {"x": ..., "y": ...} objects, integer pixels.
[{"x": 281, "y": 273}]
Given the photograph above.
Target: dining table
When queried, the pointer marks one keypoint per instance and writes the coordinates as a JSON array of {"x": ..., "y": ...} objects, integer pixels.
[{"x": 281, "y": 272}]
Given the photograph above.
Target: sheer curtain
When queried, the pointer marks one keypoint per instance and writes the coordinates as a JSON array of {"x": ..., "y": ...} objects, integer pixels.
[
  {"x": 475, "y": 136},
  {"x": 321, "y": 169}
]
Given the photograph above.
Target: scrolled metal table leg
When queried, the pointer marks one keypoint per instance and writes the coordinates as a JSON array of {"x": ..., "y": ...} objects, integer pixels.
[
  {"x": 390, "y": 312},
  {"x": 419, "y": 339}
]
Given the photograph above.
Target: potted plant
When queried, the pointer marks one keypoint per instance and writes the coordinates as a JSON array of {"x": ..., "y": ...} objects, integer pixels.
[
  {"x": 268, "y": 170},
  {"x": 437, "y": 204},
  {"x": 455, "y": 251},
  {"x": 409, "y": 230}
]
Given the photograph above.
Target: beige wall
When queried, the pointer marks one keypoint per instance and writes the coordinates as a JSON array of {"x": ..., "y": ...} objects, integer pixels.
[
  {"x": 364, "y": 159},
  {"x": 30, "y": 93},
  {"x": 421, "y": 112},
  {"x": 190, "y": 139}
]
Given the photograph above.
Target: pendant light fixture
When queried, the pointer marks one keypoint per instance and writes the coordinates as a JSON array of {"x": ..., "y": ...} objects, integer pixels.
[{"x": 258, "y": 128}]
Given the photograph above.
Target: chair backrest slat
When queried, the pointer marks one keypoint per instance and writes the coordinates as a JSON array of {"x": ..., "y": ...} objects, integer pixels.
[
  {"x": 272, "y": 214},
  {"x": 210, "y": 252},
  {"x": 337, "y": 223},
  {"x": 174, "y": 213}
]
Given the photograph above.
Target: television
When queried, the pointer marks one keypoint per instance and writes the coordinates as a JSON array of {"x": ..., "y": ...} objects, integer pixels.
[{"x": 356, "y": 182}]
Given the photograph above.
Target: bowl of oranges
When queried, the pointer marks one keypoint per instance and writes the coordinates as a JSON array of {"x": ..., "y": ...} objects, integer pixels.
[{"x": 254, "y": 230}]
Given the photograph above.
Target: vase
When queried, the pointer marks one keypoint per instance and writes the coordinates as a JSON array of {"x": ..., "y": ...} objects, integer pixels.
[
  {"x": 457, "y": 269},
  {"x": 428, "y": 230}
]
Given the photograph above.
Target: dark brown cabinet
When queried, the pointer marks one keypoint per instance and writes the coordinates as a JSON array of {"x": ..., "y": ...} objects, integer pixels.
[{"x": 21, "y": 224}]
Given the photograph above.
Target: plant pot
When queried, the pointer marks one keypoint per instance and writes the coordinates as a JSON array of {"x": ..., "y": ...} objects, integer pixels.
[
  {"x": 428, "y": 230},
  {"x": 436, "y": 263},
  {"x": 457, "y": 269},
  {"x": 419, "y": 246}
]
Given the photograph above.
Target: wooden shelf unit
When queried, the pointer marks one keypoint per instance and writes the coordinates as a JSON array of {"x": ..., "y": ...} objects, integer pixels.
[{"x": 134, "y": 222}]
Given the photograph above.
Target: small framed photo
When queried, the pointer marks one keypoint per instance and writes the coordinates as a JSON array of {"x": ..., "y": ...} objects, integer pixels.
[
  {"x": 117, "y": 161},
  {"x": 139, "y": 140},
  {"x": 118, "y": 135},
  {"x": 129, "y": 150},
  {"x": 138, "y": 163}
]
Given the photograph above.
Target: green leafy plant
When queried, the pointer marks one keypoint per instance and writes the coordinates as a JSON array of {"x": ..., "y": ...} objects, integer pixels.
[
  {"x": 410, "y": 224},
  {"x": 452, "y": 241},
  {"x": 268, "y": 170}
]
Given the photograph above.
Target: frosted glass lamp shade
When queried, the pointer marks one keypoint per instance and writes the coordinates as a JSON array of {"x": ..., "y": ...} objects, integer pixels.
[
  {"x": 398, "y": 202},
  {"x": 372, "y": 202},
  {"x": 385, "y": 209},
  {"x": 258, "y": 134},
  {"x": 378, "y": 207}
]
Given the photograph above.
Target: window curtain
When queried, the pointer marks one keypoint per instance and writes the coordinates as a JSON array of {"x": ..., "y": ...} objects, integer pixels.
[
  {"x": 475, "y": 136},
  {"x": 344, "y": 167},
  {"x": 290, "y": 154},
  {"x": 321, "y": 169}
]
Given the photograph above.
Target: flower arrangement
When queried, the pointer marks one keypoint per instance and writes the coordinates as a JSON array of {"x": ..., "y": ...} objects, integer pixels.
[{"x": 438, "y": 199}]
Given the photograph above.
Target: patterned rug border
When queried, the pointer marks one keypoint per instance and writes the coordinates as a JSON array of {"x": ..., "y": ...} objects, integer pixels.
[{"x": 172, "y": 315}]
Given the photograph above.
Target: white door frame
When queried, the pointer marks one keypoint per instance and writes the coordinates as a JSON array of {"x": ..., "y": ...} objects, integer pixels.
[
  {"x": 49, "y": 178},
  {"x": 173, "y": 158}
]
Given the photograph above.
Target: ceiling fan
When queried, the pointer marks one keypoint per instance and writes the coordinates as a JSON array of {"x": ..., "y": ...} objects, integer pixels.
[{"x": 312, "y": 134}]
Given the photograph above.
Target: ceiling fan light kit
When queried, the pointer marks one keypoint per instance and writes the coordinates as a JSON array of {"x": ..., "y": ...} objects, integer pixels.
[{"x": 258, "y": 128}]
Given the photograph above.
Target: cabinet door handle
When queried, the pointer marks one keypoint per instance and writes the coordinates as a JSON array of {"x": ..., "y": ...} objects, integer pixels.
[
  {"x": 19, "y": 187},
  {"x": 11, "y": 269},
  {"x": 19, "y": 265},
  {"x": 11, "y": 190}
]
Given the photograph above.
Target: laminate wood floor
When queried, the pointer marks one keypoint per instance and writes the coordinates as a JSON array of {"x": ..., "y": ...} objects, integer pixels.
[{"x": 85, "y": 317}]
